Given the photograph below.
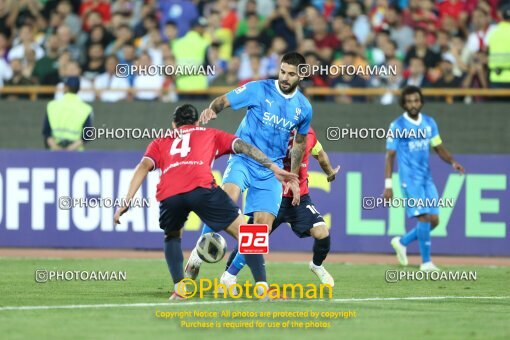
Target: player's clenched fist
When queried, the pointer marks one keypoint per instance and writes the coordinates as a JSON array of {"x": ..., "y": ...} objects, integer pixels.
[{"x": 207, "y": 115}]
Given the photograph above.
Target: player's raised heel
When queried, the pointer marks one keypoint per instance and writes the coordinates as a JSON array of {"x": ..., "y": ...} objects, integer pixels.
[
  {"x": 193, "y": 265},
  {"x": 228, "y": 280},
  {"x": 400, "y": 250},
  {"x": 322, "y": 274},
  {"x": 429, "y": 267},
  {"x": 177, "y": 297},
  {"x": 179, "y": 292}
]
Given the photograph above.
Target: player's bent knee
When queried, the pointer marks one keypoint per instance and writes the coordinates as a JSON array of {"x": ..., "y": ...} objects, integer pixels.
[
  {"x": 434, "y": 221},
  {"x": 319, "y": 232},
  {"x": 233, "y": 228},
  {"x": 232, "y": 190},
  {"x": 172, "y": 234}
]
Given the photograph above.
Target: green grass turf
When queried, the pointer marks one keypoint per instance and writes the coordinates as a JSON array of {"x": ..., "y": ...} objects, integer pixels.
[{"x": 148, "y": 282}]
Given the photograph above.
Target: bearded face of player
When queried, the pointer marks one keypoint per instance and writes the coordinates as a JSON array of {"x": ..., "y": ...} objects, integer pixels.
[
  {"x": 413, "y": 104},
  {"x": 288, "y": 78}
]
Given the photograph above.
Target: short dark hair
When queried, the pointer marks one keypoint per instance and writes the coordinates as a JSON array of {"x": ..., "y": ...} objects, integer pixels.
[
  {"x": 293, "y": 58},
  {"x": 185, "y": 114},
  {"x": 410, "y": 90}
]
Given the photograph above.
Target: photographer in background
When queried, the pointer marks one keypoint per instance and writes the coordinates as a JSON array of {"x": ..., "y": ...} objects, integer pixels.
[{"x": 66, "y": 118}]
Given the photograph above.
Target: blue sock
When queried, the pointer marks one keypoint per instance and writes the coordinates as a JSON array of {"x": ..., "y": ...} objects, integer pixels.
[
  {"x": 174, "y": 258},
  {"x": 424, "y": 240},
  {"x": 206, "y": 229},
  {"x": 238, "y": 264},
  {"x": 411, "y": 236}
]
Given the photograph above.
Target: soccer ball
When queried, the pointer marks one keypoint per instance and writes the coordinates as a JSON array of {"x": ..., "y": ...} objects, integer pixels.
[{"x": 211, "y": 247}]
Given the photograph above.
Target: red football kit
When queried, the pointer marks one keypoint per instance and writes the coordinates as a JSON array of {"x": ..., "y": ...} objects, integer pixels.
[{"x": 186, "y": 162}]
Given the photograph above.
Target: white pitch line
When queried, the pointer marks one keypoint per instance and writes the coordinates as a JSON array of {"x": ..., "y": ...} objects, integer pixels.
[{"x": 191, "y": 303}]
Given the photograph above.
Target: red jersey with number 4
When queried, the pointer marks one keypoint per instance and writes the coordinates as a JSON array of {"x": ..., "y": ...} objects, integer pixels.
[
  {"x": 186, "y": 162},
  {"x": 311, "y": 140}
]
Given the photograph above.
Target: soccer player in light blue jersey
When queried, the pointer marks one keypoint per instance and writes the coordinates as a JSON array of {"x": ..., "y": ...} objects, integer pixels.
[
  {"x": 412, "y": 150},
  {"x": 273, "y": 109}
]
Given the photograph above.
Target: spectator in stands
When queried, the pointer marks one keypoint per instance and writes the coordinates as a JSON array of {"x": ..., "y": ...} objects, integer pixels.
[
  {"x": 99, "y": 35},
  {"x": 347, "y": 80},
  {"x": 359, "y": 21},
  {"x": 244, "y": 12},
  {"x": 110, "y": 81},
  {"x": 417, "y": 74},
  {"x": 28, "y": 65},
  {"x": 253, "y": 31},
  {"x": 95, "y": 61},
  {"x": 252, "y": 49},
  {"x": 316, "y": 78},
  {"x": 143, "y": 81},
  {"x": 184, "y": 55},
  {"x": 47, "y": 66},
  {"x": 71, "y": 20},
  {"x": 182, "y": 12},
  {"x": 477, "y": 75},
  {"x": 274, "y": 55},
  {"x": 420, "y": 49},
  {"x": 391, "y": 81},
  {"x": 101, "y": 7},
  {"x": 448, "y": 79},
  {"x": 228, "y": 78},
  {"x": 171, "y": 31},
  {"x": 129, "y": 58},
  {"x": 17, "y": 78},
  {"x": 65, "y": 41},
  {"x": 222, "y": 36},
  {"x": 477, "y": 40},
  {"x": 399, "y": 32},
  {"x": 5, "y": 71},
  {"x": 86, "y": 91},
  {"x": 25, "y": 40},
  {"x": 325, "y": 41},
  {"x": 4, "y": 46},
  {"x": 123, "y": 35},
  {"x": 281, "y": 22},
  {"x": 66, "y": 118},
  {"x": 499, "y": 51}
]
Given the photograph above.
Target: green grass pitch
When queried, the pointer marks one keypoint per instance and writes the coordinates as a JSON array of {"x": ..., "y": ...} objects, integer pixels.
[{"x": 148, "y": 282}]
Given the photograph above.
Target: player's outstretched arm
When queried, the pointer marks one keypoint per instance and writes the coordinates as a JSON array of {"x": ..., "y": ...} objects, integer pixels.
[
  {"x": 388, "y": 172},
  {"x": 216, "y": 106},
  {"x": 254, "y": 153},
  {"x": 448, "y": 158},
  {"x": 296, "y": 157},
  {"x": 141, "y": 171},
  {"x": 326, "y": 166}
]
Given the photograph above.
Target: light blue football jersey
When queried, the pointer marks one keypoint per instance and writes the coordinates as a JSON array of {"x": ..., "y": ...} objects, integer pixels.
[
  {"x": 270, "y": 117},
  {"x": 412, "y": 141}
]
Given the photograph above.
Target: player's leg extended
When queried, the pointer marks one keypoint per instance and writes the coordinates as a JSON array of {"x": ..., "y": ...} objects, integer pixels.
[
  {"x": 234, "y": 182},
  {"x": 426, "y": 223},
  {"x": 174, "y": 260},
  {"x": 254, "y": 261}
]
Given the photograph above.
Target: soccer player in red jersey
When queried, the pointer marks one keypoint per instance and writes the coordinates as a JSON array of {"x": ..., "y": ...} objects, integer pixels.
[
  {"x": 187, "y": 184},
  {"x": 304, "y": 218}
]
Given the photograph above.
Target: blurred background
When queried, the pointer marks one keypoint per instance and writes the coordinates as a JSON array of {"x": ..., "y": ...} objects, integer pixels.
[{"x": 432, "y": 44}]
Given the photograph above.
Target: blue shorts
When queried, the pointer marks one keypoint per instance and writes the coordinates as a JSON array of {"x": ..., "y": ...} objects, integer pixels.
[
  {"x": 423, "y": 191},
  {"x": 264, "y": 190}
]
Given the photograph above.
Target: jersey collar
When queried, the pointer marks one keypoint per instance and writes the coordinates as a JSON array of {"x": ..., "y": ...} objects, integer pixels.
[
  {"x": 412, "y": 121},
  {"x": 286, "y": 96}
]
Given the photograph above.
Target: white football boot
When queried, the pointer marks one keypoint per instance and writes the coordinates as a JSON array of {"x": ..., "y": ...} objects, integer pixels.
[
  {"x": 322, "y": 274},
  {"x": 400, "y": 250},
  {"x": 193, "y": 265}
]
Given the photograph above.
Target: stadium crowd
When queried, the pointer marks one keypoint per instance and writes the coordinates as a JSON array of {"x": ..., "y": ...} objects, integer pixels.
[{"x": 440, "y": 43}]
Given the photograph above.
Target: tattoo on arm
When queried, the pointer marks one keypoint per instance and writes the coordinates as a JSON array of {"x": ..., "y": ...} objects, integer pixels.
[
  {"x": 218, "y": 104},
  {"x": 251, "y": 151},
  {"x": 296, "y": 153}
]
